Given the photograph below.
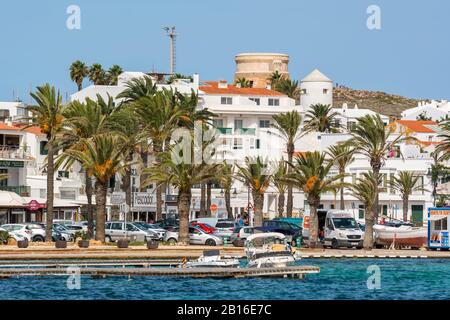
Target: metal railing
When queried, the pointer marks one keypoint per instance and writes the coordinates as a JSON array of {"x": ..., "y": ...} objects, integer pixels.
[{"x": 13, "y": 152}]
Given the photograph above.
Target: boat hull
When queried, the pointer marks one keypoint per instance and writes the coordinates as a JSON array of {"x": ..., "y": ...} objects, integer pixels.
[{"x": 411, "y": 237}]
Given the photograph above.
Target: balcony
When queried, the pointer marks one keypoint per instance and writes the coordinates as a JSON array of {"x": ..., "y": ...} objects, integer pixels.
[
  {"x": 14, "y": 152},
  {"x": 225, "y": 130},
  {"x": 245, "y": 131},
  {"x": 23, "y": 191}
]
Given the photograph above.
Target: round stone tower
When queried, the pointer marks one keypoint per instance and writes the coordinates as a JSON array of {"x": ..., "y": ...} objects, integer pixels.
[
  {"x": 258, "y": 67},
  {"x": 316, "y": 88}
]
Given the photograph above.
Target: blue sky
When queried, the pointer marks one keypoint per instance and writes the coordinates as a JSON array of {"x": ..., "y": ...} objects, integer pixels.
[{"x": 408, "y": 56}]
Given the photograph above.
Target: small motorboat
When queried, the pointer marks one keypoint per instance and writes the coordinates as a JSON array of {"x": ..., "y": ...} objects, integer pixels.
[
  {"x": 212, "y": 259},
  {"x": 269, "y": 250},
  {"x": 404, "y": 235}
]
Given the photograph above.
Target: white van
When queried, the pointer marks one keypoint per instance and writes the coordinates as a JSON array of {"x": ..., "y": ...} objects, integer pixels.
[{"x": 340, "y": 229}]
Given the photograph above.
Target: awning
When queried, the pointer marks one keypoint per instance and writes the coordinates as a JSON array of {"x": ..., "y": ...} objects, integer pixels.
[{"x": 11, "y": 200}]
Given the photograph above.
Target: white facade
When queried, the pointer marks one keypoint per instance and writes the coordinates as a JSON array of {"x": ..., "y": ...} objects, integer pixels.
[{"x": 316, "y": 88}]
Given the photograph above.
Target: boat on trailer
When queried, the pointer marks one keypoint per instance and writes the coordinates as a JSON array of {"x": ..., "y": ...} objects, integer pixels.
[
  {"x": 269, "y": 250},
  {"x": 212, "y": 259}
]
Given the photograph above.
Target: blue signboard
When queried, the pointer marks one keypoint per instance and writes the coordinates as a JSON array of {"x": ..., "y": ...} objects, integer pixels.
[{"x": 438, "y": 228}]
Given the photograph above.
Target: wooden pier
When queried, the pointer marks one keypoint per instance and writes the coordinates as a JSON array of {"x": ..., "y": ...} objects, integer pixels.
[
  {"x": 286, "y": 272},
  {"x": 63, "y": 263}
]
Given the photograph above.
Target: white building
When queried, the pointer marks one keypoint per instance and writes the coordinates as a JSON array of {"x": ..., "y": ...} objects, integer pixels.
[
  {"x": 316, "y": 88},
  {"x": 434, "y": 110}
]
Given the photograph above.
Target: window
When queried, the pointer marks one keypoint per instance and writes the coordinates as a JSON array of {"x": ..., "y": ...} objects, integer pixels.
[
  {"x": 304, "y": 91},
  {"x": 218, "y": 123},
  {"x": 63, "y": 174},
  {"x": 257, "y": 100},
  {"x": 237, "y": 144},
  {"x": 116, "y": 226},
  {"x": 264, "y": 123},
  {"x": 274, "y": 102},
  {"x": 226, "y": 100},
  {"x": 68, "y": 194},
  {"x": 325, "y": 91},
  {"x": 257, "y": 143},
  {"x": 43, "y": 148},
  {"x": 252, "y": 143},
  {"x": 4, "y": 114},
  {"x": 238, "y": 124},
  {"x": 4, "y": 182}
]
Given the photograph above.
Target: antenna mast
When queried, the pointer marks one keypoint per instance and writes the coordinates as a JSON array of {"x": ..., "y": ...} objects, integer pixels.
[{"x": 172, "y": 35}]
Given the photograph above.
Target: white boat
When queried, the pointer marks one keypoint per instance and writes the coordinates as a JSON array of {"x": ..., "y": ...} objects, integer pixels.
[
  {"x": 414, "y": 237},
  {"x": 212, "y": 259},
  {"x": 269, "y": 250}
]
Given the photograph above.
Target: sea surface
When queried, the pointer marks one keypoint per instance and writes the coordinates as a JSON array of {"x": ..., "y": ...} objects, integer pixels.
[{"x": 400, "y": 279}]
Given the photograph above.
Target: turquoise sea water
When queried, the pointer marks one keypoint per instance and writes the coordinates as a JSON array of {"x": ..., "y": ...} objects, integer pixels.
[{"x": 339, "y": 279}]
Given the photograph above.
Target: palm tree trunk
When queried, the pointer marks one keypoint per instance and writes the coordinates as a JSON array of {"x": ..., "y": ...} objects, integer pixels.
[
  {"x": 203, "y": 200},
  {"x": 290, "y": 200},
  {"x": 228, "y": 203},
  {"x": 405, "y": 207},
  {"x": 376, "y": 208},
  {"x": 90, "y": 207},
  {"x": 50, "y": 189},
  {"x": 208, "y": 199},
  {"x": 258, "y": 202},
  {"x": 100, "y": 203},
  {"x": 341, "y": 191},
  {"x": 126, "y": 185},
  {"x": 368, "y": 233},
  {"x": 313, "y": 223},
  {"x": 159, "y": 203},
  {"x": 281, "y": 204},
  {"x": 184, "y": 205}
]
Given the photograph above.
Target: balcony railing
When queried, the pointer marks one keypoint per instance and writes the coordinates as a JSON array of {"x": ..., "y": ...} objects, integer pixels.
[
  {"x": 13, "y": 152},
  {"x": 23, "y": 191},
  {"x": 246, "y": 131},
  {"x": 225, "y": 130}
]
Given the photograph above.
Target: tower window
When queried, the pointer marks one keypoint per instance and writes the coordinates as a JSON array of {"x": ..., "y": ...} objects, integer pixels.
[
  {"x": 325, "y": 91},
  {"x": 274, "y": 102}
]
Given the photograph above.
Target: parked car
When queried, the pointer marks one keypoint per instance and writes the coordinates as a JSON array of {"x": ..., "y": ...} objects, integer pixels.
[
  {"x": 37, "y": 231},
  {"x": 241, "y": 233},
  {"x": 19, "y": 229},
  {"x": 196, "y": 236},
  {"x": 152, "y": 228},
  {"x": 291, "y": 231},
  {"x": 114, "y": 230},
  {"x": 224, "y": 228},
  {"x": 204, "y": 226},
  {"x": 15, "y": 235},
  {"x": 167, "y": 224}
]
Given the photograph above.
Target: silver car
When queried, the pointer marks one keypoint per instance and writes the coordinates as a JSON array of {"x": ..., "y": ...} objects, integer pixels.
[
  {"x": 114, "y": 230},
  {"x": 196, "y": 236},
  {"x": 224, "y": 228}
]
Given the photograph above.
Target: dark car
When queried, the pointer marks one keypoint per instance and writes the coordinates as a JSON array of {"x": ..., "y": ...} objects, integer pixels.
[
  {"x": 168, "y": 224},
  {"x": 291, "y": 231}
]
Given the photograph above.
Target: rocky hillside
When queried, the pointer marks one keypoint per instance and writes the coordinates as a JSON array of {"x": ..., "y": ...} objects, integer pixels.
[{"x": 380, "y": 102}]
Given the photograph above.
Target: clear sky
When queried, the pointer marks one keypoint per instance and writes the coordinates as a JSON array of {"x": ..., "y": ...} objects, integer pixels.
[{"x": 409, "y": 56}]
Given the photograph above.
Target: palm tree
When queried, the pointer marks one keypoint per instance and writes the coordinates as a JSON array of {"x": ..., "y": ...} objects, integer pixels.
[
  {"x": 288, "y": 126},
  {"x": 444, "y": 146},
  {"x": 159, "y": 117},
  {"x": 113, "y": 74},
  {"x": 47, "y": 114},
  {"x": 278, "y": 180},
  {"x": 366, "y": 191},
  {"x": 372, "y": 139},
  {"x": 288, "y": 87},
  {"x": 342, "y": 155},
  {"x": 102, "y": 156},
  {"x": 243, "y": 83},
  {"x": 97, "y": 75},
  {"x": 274, "y": 78},
  {"x": 78, "y": 71},
  {"x": 311, "y": 174},
  {"x": 406, "y": 184},
  {"x": 321, "y": 118},
  {"x": 255, "y": 174},
  {"x": 226, "y": 178},
  {"x": 84, "y": 121},
  {"x": 138, "y": 88},
  {"x": 183, "y": 176}
]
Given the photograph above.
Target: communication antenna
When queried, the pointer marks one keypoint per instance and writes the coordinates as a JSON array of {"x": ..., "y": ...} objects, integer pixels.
[{"x": 172, "y": 35}]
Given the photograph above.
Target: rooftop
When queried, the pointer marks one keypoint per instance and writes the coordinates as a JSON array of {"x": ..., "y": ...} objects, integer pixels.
[
  {"x": 421, "y": 126},
  {"x": 316, "y": 76},
  {"x": 212, "y": 87}
]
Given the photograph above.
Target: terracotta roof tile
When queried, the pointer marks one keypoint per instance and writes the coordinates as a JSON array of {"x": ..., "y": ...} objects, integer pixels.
[
  {"x": 418, "y": 125},
  {"x": 212, "y": 88},
  {"x": 16, "y": 127}
]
